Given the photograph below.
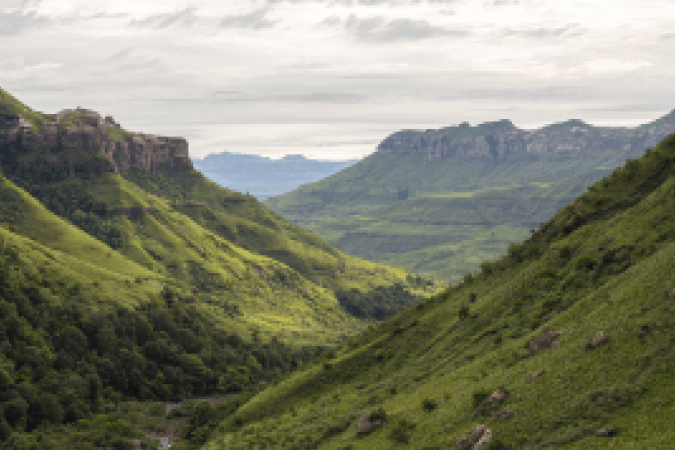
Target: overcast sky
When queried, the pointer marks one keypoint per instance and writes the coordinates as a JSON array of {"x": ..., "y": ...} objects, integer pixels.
[{"x": 331, "y": 79}]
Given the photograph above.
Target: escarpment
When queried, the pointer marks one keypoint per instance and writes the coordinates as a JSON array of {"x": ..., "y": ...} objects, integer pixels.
[
  {"x": 80, "y": 143},
  {"x": 498, "y": 139}
]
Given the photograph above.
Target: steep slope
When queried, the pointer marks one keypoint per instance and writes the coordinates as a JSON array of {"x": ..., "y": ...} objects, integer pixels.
[
  {"x": 436, "y": 207},
  {"x": 248, "y": 267},
  {"x": 569, "y": 333}
]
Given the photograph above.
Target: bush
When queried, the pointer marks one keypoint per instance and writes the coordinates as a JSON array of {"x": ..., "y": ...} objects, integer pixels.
[
  {"x": 565, "y": 252},
  {"x": 479, "y": 397},
  {"x": 585, "y": 262},
  {"x": 402, "y": 431},
  {"x": 497, "y": 444},
  {"x": 472, "y": 297},
  {"x": 486, "y": 267},
  {"x": 378, "y": 414},
  {"x": 429, "y": 405},
  {"x": 464, "y": 312}
]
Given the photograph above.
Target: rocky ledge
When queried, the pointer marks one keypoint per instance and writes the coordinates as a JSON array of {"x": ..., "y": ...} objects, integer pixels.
[
  {"x": 497, "y": 139},
  {"x": 79, "y": 142}
]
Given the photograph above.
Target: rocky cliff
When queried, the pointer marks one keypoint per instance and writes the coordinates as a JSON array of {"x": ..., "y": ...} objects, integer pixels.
[
  {"x": 496, "y": 139},
  {"x": 79, "y": 142}
]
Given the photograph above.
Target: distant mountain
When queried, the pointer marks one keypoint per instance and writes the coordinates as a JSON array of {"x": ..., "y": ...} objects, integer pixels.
[
  {"x": 442, "y": 201},
  {"x": 495, "y": 140},
  {"x": 264, "y": 177}
]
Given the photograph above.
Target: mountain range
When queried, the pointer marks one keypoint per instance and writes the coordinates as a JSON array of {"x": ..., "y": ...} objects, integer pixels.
[
  {"x": 142, "y": 304},
  {"x": 440, "y": 202},
  {"x": 264, "y": 177}
]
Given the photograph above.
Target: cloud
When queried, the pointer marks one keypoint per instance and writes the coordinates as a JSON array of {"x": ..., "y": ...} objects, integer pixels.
[
  {"x": 255, "y": 19},
  {"x": 17, "y": 22},
  {"x": 379, "y": 30},
  {"x": 324, "y": 97},
  {"x": 568, "y": 30},
  {"x": 158, "y": 21}
]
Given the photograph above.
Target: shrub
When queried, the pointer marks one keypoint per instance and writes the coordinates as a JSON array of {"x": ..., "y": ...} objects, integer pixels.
[
  {"x": 429, "y": 405},
  {"x": 585, "y": 262},
  {"x": 479, "y": 396},
  {"x": 472, "y": 297},
  {"x": 464, "y": 312},
  {"x": 565, "y": 252},
  {"x": 486, "y": 267},
  {"x": 378, "y": 414},
  {"x": 497, "y": 444},
  {"x": 402, "y": 431},
  {"x": 535, "y": 323}
]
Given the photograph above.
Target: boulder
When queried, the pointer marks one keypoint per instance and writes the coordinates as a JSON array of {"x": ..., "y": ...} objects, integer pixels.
[
  {"x": 544, "y": 341},
  {"x": 483, "y": 442},
  {"x": 606, "y": 431},
  {"x": 598, "y": 340},
  {"x": 365, "y": 426},
  {"x": 505, "y": 414},
  {"x": 536, "y": 374},
  {"x": 496, "y": 398},
  {"x": 477, "y": 439}
]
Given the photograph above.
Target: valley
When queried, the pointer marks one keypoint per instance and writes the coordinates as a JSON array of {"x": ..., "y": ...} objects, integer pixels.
[{"x": 130, "y": 282}]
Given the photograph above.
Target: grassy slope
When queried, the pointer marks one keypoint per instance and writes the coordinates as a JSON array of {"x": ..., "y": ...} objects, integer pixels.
[
  {"x": 465, "y": 211},
  {"x": 231, "y": 255},
  {"x": 605, "y": 262}
]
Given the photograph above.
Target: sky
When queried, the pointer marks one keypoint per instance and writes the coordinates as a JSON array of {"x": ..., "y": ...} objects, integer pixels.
[{"x": 331, "y": 79}]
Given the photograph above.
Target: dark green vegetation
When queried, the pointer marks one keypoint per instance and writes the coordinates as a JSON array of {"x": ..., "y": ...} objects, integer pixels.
[
  {"x": 444, "y": 216},
  {"x": 118, "y": 289},
  {"x": 603, "y": 263}
]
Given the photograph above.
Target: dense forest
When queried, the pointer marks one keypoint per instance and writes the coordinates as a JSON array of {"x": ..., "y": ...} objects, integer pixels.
[{"x": 61, "y": 362}]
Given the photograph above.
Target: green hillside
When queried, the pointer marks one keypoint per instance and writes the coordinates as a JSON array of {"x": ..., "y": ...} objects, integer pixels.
[
  {"x": 443, "y": 217},
  {"x": 604, "y": 264},
  {"x": 117, "y": 292}
]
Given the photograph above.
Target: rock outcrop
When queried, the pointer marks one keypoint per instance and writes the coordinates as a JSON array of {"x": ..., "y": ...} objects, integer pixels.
[
  {"x": 478, "y": 438},
  {"x": 497, "y": 139},
  {"x": 365, "y": 426},
  {"x": 544, "y": 341},
  {"x": 79, "y": 142}
]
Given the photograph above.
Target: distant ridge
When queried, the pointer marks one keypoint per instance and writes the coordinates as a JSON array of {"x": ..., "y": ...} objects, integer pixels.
[{"x": 497, "y": 139}]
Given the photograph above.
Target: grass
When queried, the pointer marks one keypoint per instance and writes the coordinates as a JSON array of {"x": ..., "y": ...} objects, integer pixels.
[{"x": 626, "y": 382}]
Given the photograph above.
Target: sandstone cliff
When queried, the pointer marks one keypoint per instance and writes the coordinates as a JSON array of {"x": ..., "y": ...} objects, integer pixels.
[
  {"x": 80, "y": 142},
  {"x": 496, "y": 139}
]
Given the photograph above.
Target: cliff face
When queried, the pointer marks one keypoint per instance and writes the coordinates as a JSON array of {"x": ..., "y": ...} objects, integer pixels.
[
  {"x": 496, "y": 139},
  {"x": 80, "y": 142}
]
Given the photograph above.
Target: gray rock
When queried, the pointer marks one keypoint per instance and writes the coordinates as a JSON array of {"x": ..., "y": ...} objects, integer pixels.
[
  {"x": 495, "y": 398},
  {"x": 598, "y": 340},
  {"x": 505, "y": 414},
  {"x": 606, "y": 431},
  {"x": 544, "y": 341}
]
